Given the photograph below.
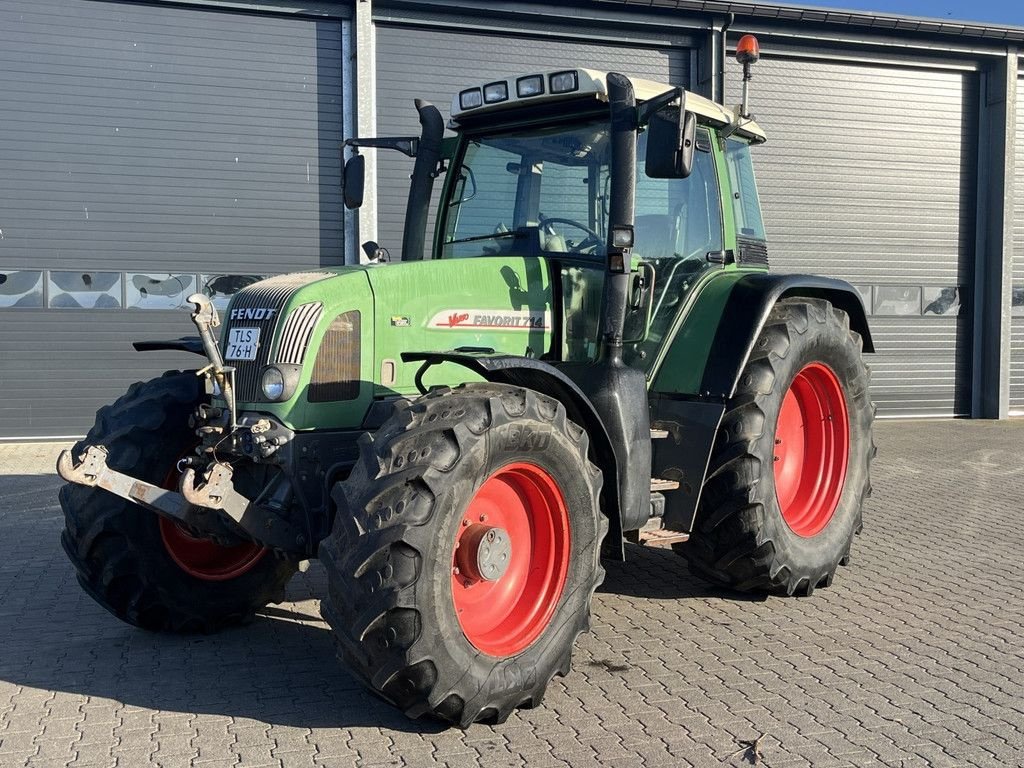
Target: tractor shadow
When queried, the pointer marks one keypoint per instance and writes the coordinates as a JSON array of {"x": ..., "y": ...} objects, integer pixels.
[
  {"x": 280, "y": 669},
  {"x": 656, "y": 573}
]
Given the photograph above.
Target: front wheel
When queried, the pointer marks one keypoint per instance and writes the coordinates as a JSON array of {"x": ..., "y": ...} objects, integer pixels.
[
  {"x": 465, "y": 552},
  {"x": 143, "y": 568},
  {"x": 788, "y": 474}
]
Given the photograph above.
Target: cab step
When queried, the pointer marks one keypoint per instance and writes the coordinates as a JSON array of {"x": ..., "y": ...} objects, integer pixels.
[
  {"x": 658, "y": 434},
  {"x": 659, "y": 484},
  {"x": 653, "y": 535}
]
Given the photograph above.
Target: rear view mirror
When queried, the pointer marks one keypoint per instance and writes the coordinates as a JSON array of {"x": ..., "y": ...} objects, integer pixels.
[
  {"x": 353, "y": 181},
  {"x": 671, "y": 140}
]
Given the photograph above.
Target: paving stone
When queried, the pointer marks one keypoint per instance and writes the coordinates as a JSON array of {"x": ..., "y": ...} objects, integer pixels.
[{"x": 912, "y": 657}]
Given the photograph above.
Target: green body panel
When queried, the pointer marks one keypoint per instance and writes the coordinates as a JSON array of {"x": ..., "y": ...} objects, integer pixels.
[
  {"x": 343, "y": 289},
  {"x": 502, "y": 303},
  {"x": 680, "y": 364}
]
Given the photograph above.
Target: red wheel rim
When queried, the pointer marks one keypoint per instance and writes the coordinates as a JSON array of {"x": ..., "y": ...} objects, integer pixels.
[
  {"x": 812, "y": 447},
  {"x": 502, "y": 617},
  {"x": 202, "y": 558}
]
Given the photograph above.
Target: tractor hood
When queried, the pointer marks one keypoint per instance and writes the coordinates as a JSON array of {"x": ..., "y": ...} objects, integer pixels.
[{"x": 336, "y": 335}]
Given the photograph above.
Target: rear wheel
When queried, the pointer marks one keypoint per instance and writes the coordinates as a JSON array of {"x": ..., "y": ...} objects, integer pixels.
[
  {"x": 789, "y": 472},
  {"x": 465, "y": 552},
  {"x": 143, "y": 568}
]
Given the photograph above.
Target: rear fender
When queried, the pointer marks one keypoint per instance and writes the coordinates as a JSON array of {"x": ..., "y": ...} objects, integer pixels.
[
  {"x": 545, "y": 378},
  {"x": 746, "y": 312}
]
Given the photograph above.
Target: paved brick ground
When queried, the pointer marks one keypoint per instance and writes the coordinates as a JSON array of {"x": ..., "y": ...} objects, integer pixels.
[{"x": 914, "y": 657}]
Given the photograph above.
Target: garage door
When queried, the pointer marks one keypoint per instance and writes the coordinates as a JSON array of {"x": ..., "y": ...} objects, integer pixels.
[
  {"x": 868, "y": 176},
  {"x": 416, "y": 62},
  {"x": 148, "y": 152},
  {"x": 1017, "y": 321}
]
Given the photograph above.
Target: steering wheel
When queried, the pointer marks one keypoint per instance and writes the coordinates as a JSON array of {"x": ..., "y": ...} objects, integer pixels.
[{"x": 592, "y": 239}]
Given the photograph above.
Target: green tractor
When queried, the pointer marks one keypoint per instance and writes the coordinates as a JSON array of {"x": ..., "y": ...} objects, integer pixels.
[{"x": 593, "y": 352}]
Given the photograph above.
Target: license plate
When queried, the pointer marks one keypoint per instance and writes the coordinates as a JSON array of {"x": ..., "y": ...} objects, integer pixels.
[{"x": 242, "y": 343}]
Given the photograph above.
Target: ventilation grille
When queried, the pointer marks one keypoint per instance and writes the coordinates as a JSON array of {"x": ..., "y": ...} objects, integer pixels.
[
  {"x": 752, "y": 252},
  {"x": 297, "y": 329},
  {"x": 272, "y": 293},
  {"x": 336, "y": 372}
]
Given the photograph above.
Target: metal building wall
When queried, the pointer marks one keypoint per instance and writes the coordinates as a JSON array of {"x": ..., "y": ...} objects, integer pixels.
[
  {"x": 434, "y": 63},
  {"x": 1017, "y": 322},
  {"x": 869, "y": 176},
  {"x": 144, "y": 151}
]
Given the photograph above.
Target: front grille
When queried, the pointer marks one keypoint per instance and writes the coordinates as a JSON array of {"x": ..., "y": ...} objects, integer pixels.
[
  {"x": 272, "y": 293},
  {"x": 336, "y": 372},
  {"x": 296, "y": 333}
]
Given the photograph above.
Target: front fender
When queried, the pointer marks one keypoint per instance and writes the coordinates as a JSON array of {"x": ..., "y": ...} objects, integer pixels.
[{"x": 549, "y": 380}]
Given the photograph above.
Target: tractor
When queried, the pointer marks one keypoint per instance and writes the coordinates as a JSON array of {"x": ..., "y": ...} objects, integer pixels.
[{"x": 591, "y": 354}]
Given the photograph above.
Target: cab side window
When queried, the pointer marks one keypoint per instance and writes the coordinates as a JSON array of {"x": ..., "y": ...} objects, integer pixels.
[
  {"x": 745, "y": 205},
  {"x": 679, "y": 218}
]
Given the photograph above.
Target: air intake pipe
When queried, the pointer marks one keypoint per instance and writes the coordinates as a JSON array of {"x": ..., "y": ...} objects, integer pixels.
[
  {"x": 617, "y": 391},
  {"x": 622, "y": 104},
  {"x": 428, "y": 160}
]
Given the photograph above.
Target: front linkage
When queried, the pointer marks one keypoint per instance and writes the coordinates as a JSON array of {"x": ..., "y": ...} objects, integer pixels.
[{"x": 207, "y": 482}]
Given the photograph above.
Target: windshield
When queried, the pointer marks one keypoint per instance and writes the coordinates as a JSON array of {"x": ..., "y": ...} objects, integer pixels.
[
  {"x": 545, "y": 191},
  {"x": 540, "y": 191}
]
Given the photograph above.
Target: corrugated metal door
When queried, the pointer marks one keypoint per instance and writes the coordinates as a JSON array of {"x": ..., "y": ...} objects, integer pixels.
[
  {"x": 868, "y": 175},
  {"x": 432, "y": 63},
  {"x": 146, "y": 152},
  {"x": 1017, "y": 322}
]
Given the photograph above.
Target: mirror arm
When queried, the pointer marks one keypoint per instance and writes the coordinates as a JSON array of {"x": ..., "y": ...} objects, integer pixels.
[
  {"x": 407, "y": 145},
  {"x": 649, "y": 108},
  {"x": 738, "y": 122}
]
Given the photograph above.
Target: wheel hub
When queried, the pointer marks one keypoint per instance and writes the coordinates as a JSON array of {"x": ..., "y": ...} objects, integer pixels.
[
  {"x": 510, "y": 559},
  {"x": 483, "y": 553},
  {"x": 202, "y": 558},
  {"x": 812, "y": 445}
]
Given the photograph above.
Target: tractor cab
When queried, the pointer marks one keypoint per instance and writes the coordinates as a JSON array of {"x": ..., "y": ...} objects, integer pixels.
[{"x": 530, "y": 173}]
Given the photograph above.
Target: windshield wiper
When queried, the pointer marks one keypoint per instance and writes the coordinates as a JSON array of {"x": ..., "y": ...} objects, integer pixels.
[{"x": 492, "y": 236}]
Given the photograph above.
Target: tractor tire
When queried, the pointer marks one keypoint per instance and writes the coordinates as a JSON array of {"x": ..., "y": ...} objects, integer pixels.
[
  {"x": 450, "y": 483},
  {"x": 145, "y": 569},
  {"x": 789, "y": 471}
]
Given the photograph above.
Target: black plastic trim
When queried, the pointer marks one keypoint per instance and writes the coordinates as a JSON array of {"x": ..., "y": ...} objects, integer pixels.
[
  {"x": 191, "y": 344},
  {"x": 746, "y": 313},
  {"x": 684, "y": 455}
]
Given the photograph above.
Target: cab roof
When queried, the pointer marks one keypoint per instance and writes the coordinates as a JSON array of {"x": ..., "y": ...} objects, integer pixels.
[{"x": 592, "y": 82}]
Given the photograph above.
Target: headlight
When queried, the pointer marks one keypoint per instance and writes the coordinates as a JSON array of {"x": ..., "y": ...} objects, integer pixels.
[
  {"x": 470, "y": 98},
  {"x": 495, "y": 92},
  {"x": 531, "y": 85},
  {"x": 272, "y": 384},
  {"x": 564, "y": 82}
]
